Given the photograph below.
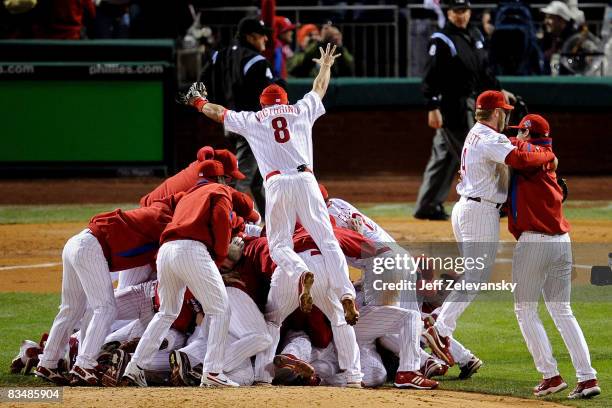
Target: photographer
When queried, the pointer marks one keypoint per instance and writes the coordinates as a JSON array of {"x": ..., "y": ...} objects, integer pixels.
[{"x": 301, "y": 65}]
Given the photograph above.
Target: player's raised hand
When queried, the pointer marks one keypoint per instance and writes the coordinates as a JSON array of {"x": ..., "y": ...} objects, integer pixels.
[
  {"x": 327, "y": 56},
  {"x": 196, "y": 90}
]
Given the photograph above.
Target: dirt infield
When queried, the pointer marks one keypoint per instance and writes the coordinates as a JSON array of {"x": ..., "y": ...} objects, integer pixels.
[
  {"x": 375, "y": 189},
  {"x": 272, "y": 397}
]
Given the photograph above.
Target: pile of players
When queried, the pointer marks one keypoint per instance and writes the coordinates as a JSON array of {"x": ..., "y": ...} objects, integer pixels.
[{"x": 199, "y": 300}]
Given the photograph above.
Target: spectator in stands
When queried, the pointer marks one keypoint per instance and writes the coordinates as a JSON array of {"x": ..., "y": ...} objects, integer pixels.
[
  {"x": 112, "y": 19},
  {"x": 307, "y": 34},
  {"x": 487, "y": 25},
  {"x": 63, "y": 19},
  {"x": 282, "y": 47},
  {"x": 235, "y": 77},
  {"x": 558, "y": 27},
  {"x": 457, "y": 69},
  {"x": 17, "y": 18},
  {"x": 301, "y": 65}
]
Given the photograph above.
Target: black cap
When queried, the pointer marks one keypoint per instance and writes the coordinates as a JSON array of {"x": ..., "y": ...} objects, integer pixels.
[
  {"x": 458, "y": 4},
  {"x": 250, "y": 25}
]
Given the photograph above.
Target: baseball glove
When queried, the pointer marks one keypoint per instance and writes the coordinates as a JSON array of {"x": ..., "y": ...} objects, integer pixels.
[
  {"x": 196, "y": 90},
  {"x": 563, "y": 184}
]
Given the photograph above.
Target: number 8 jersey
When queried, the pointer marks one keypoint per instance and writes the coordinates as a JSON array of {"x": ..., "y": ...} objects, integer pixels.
[{"x": 279, "y": 135}]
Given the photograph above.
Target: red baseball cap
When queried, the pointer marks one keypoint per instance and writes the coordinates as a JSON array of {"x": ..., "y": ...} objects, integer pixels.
[
  {"x": 490, "y": 100},
  {"x": 243, "y": 206},
  {"x": 282, "y": 24},
  {"x": 230, "y": 163},
  {"x": 274, "y": 95},
  {"x": 535, "y": 123},
  {"x": 210, "y": 168}
]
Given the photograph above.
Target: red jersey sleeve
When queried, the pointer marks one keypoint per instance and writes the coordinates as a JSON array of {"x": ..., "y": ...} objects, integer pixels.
[
  {"x": 520, "y": 159},
  {"x": 221, "y": 226}
]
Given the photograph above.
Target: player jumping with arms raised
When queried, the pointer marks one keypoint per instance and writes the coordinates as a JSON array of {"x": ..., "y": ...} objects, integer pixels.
[{"x": 280, "y": 136}]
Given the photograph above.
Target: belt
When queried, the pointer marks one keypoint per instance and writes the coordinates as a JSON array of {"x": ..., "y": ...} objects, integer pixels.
[
  {"x": 314, "y": 252},
  {"x": 479, "y": 200},
  {"x": 300, "y": 169}
]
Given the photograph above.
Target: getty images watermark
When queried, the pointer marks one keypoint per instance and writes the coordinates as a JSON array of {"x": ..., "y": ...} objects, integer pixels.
[{"x": 394, "y": 270}]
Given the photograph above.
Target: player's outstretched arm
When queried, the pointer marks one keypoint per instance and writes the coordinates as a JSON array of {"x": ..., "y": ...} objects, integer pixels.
[
  {"x": 325, "y": 62},
  {"x": 196, "y": 97}
]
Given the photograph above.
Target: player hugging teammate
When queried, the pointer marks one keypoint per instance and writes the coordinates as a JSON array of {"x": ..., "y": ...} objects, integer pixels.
[{"x": 206, "y": 296}]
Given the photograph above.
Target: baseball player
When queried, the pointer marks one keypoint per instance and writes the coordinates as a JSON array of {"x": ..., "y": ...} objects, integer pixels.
[
  {"x": 280, "y": 136},
  {"x": 283, "y": 299},
  {"x": 114, "y": 241},
  {"x": 193, "y": 244},
  {"x": 483, "y": 188},
  {"x": 542, "y": 265}
]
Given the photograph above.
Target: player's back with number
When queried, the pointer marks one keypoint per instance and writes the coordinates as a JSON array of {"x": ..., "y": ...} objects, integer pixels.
[{"x": 280, "y": 135}]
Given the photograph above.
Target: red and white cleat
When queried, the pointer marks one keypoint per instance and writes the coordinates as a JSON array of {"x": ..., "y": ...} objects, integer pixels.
[
  {"x": 549, "y": 386},
  {"x": 414, "y": 379},
  {"x": 585, "y": 389}
]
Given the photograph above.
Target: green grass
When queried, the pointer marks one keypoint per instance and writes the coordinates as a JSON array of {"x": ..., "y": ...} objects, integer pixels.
[
  {"x": 41, "y": 214},
  {"x": 573, "y": 210}
]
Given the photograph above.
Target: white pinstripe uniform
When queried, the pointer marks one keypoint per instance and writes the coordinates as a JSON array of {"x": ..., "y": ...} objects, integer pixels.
[
  {"x": 281, "y": 139},
  {"x": 484, "y": 175},
  {"x": 86, "y": 280},
  {"x": 135, "y": 306},
  {"x": 134, "y": 276},
  {"x": 248, "y": 327},
  {"x": 542, "y": 264},
  {"x": 240, "y": 371},
  {"x": 183, "y": 263},
  {"x": 283, "y": 300},
  {"x": 161, "y": 359}
]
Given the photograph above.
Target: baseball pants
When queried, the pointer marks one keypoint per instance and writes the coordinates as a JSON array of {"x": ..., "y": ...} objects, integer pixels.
[
  {"x": 296, "y": 197},
  {"x": 135, "y": 276},
  {"x": 240, "y": 372},
  {"x": 378, "y": 321},
  {"x": 542, "y": 264},
  {"x": 283, "y": 300},
  {"x": 85, "y": 280},
  {"x": 161, "y": 359},
  {"x": 476, "y": 229},
  {"x": 180, "y": 264},
  {"x": 248, "y": 326}
]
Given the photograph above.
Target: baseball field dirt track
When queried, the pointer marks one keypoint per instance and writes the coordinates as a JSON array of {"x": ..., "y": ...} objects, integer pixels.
[
  {"x": 30, "y": 262},
  {"x": 273, "y": 397}
]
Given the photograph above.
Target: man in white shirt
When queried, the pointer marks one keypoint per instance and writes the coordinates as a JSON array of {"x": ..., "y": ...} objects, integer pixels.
[
  {"x": 483, "y": 187},
  {"x": 280, "y": 136}
]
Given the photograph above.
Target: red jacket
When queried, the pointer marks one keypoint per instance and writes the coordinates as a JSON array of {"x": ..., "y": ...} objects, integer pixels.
[
  {"x": 203, "y": 214},
  {"x": 534, "y": 199},
  {"x": 352, "y": 243},
  {"x": 131, "y": 238},
  {"x": 255, "y": 269},
  {"x": 182, "y": 181}
]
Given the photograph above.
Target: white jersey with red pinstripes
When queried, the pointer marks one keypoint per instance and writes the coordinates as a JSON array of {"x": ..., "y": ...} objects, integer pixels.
[
  {"x": 280, "y": 136},
  {"x": 343, "y": 211},
  {"x": 484, "y": 173}
]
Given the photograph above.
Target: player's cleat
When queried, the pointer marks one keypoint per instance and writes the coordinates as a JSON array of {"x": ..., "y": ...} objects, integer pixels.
[
  {"x": 27, "y": 357},
  {"x": 217, "y": 380},
  {"x": 351, "y": 315},
  {"x": 298, "y": 366},
  {"x": 133, "y": 376},
  {"x": 414, "y": 379},
  {"x": 549, "y": 386},
  {"x": 439, "y": 345},
  {"x": 84, "y": 376},
  {"x": 306, "y": 282},
  {"x": 470, "y": 368},
  {"x": 181, "y": 374},
  {"x": 585, "y": 389},
  {"x": 433, "y": 368},
  {"x": 53, "y": 375},
  {"x": 118, "y": 364}
]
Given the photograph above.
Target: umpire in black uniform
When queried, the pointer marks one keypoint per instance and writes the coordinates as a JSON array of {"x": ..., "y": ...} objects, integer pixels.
[
  {"x": 235, "y": 77},
  {"x": 456, "y": 71}
]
